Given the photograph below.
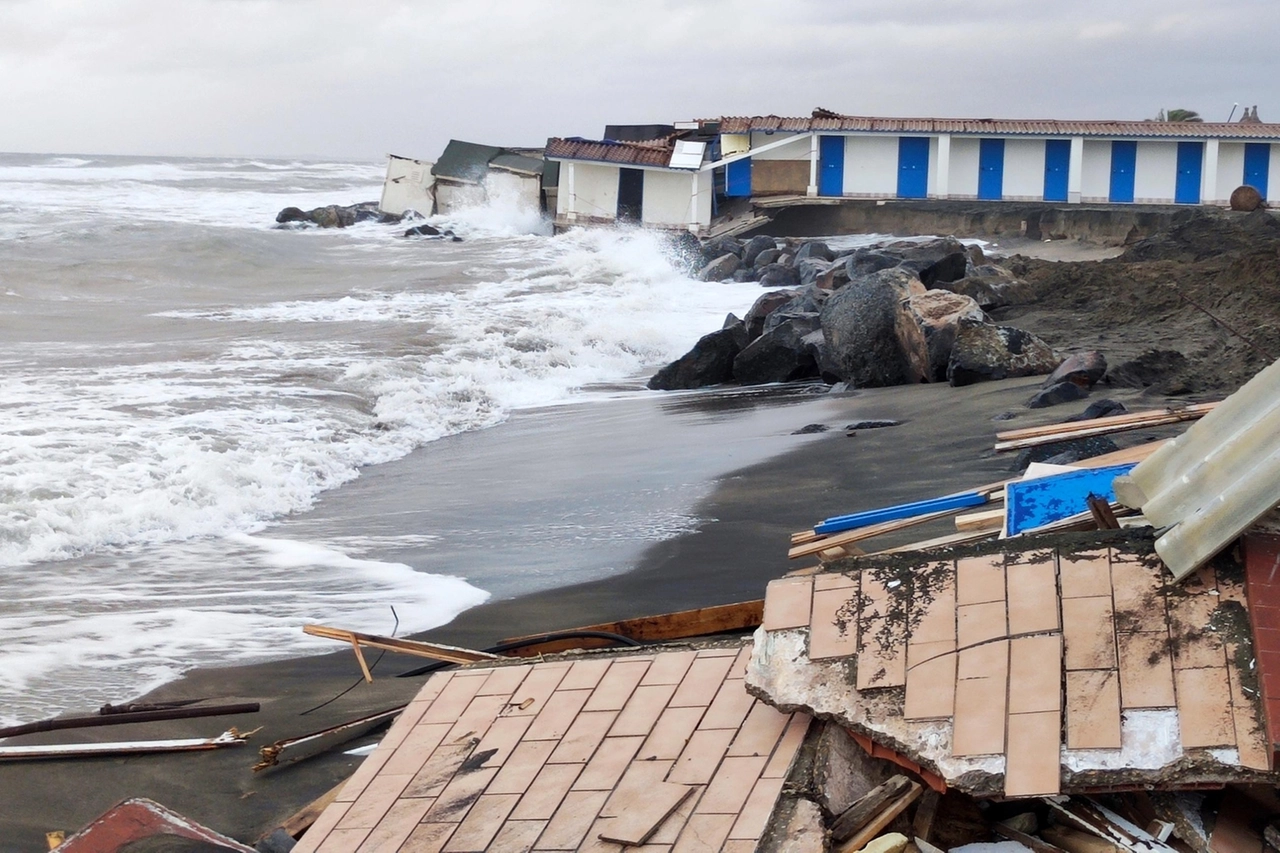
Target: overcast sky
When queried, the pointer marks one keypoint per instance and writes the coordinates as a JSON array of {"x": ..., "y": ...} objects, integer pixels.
[{"x": 362, "y": 78}]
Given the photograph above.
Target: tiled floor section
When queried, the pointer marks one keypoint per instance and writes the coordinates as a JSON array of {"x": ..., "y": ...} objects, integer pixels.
[
  {"x": 552, "y": 755},
  {"x": 1262, "y": 589},
  {"x": 1029, "y": 653}
]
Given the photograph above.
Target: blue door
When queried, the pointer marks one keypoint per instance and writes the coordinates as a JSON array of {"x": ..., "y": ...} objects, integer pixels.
[
  {"x": 1190, "y": 162},
  {"x": 913, "y": 166},
  {"x": 1257, "y": 164},
  {"x": 1057, "y": 165},
  {"x": 831, "y": 165},
  {"x": 1124, "y": 157},
  {"x": 991, "y": 169},
  {"x": 737, "y": 178}
]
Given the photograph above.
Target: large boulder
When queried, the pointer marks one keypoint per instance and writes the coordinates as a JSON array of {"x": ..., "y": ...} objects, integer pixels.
[
  {"x": 939, "y": 313},
  {"x": 1081, "y": 368},
  {"x": 984, "y": 351},
  {"x": 779, "y": 355},
  {"x": 768, "y": 256},
  {"x": 713, "y": 249},
  {"x": 989, "y": 285},
  {"x": 816, "y": 250},
  {"x": 333, "y": 215},
  {"x": 873, "y": 338},
  {"x": 866, "y": 261},
  {"x": 951, "y": 267},
  {"x": 721, "y": 268},
  {"x": 1059, "y": 392},
  {"x": 710, "y": 362},
  {"x": 756, "y": 245},
  {"x": 923, "y": 254},
  {"x": 763, "y": 307},
  {"x": 779, "y": 275},
  {"x": 811, "y": 270}
]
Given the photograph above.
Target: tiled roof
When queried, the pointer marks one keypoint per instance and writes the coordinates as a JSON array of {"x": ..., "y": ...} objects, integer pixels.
[
  {"x": 561, "y": 755},
  {"x": 655, "y": 153},
  {"x": 959, "y": 660},
  {"x": 1025, "y": 127}
]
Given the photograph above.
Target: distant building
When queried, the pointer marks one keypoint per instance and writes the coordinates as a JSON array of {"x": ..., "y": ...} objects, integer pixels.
[{"x": 662, "y": 183}]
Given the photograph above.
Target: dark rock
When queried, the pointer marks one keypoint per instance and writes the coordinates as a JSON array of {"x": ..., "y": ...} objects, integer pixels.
[
  {"x": 713, "y": 249},
  {"x": 939, "y": 313},
  {"x": 811, "y": 429},
  {"x": 989, "y": 285},
  {"x": 810, "y": 270},
  {"x": 394, "y": 218},
  {"x": 866, "y": 261},
  {"x": 786, "y": 258},
  {"x": 1082, "y": 368},
  {"x": 949, "y": 268},
  {"x": 1066, "y": 452},
  {"x": 779, "y": 355},
  {"x": 768, "y": 256},
  {"x": 710, "y": 362},
  {"x": 806, "y": 319},
  {"x": 756, "y": 245},
  {"x": 721, "y": 268},
  {"x": 815, "y": 250},
  {"x": 763, "y": 307},
  {"x": 1246, "y": 198},
  {"x": 1061, "y": 392},
  {"x": 816, "y": 345},
  {"x": 836, "y": 276},
  {"x": 779, "y": 275},
  {"x": 292, "y": 214},
  {"x": 983, "y": 351},
  {"x": 873, "y": 339},
  {"x": 422, "y": 231},
  {"x": 1153, "y": 368},
  {"x": 1005, "y": 416},
  {"x": 977, "y": 257},
  {"x": 744, "y": 274},
  {"x": 730, "y": 320},
  {"x": 871, "y": 423},
  {"x": 1099, "y": 409},
  {"x": 918, "y": 256}
]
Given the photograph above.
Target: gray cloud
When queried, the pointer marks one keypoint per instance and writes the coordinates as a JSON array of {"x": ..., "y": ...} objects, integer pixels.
[{"x": 329, "y": 78}]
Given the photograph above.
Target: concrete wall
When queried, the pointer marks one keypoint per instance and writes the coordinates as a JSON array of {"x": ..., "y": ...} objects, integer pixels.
[
  {"x": 451, "y": 197},
  {"x": 799, "y": 150},
  {"x": 1273, "y": 175},
  {"x": 964, "y": 167},
  {"x": 706, "y": 188},
  {"x": 667, "y": 197},
  {"x": 1156, "y": 173},
  {"x": 409, "y": 185},
  {"x": 870, "y": 166},
  {"x": 1095, "y": 175},
  {"x": 595, "y": 189},
  {"x": 1024, "y": 169},
  {"x": 931, "y": 179},
  {"x": 509, "y": 188},
  {"x": 1230, "y": 171}
]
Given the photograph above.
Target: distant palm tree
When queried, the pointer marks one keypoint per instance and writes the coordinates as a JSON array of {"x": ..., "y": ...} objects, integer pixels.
[{"x": 1178, "y": 115}]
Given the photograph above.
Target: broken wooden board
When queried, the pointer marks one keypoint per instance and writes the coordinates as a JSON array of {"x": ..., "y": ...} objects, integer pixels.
[
  {"x": 881, "y": 821},
  {"x": 291, "y": 750},
  {"x": 83, "y": 750},
  {"x": 138, "y": 819},
  {"x": 434, "y": 651},
  {"x": 681, "y": 625},
  {"x": 1019, "y": 439}
]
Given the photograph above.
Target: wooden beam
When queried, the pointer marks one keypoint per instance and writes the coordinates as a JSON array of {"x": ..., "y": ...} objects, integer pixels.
[
  {"x": 1036, "y": 436},
  {"x": 866, "y": 807},
  {"x": 943, "y": 541},
  {"x": 435, "y": 651},
  {"x": 851, "y": 536},
  {"x": 992, "y": 519},
  {"x": 880, "y": 821},
  {"x": 718, "y": 619}
]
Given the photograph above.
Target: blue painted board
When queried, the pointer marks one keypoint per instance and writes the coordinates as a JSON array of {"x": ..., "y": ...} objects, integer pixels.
[
  {"x": 991, "y": 169},
  {"x": 913, "y": 166},
  {"x": 841, "y": 523},
  {"x": 1190, "y": 163},
  {"x": 1057, "y": 167},
  {"x": 737, "y": 178},
  {"x": 1257, "y": 165},
  {"x": 831, "y": 165},
  {"x": 1124, "y": 160},
  {"x": 1032, "y": 503}
]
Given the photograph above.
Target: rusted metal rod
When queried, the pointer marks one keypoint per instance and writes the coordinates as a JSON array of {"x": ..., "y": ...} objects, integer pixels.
[{"x": 130, "y": 717}]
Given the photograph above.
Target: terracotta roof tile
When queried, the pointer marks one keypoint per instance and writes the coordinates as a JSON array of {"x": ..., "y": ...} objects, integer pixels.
[{"x": 656, "y": 153}]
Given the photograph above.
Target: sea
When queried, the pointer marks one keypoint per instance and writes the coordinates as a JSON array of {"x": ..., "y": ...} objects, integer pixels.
[{"x": 183, "y": 383}]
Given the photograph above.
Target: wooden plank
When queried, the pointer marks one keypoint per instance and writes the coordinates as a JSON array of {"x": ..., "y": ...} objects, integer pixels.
[
  {"x": 435, "y": 651},
  {"x": 941, "y": 542},
  {"x": 992, "y": 519},
  {"x": 866, "y": 807},
  {"x": 851, "y": 536},
  {"x": 882, "y": 820},
  {"x": 1099, "y": 426},
  {"x": 698, "y": 622},
  {"x": 1126, "y": 418},
  {"x": 301, "y": 820}
]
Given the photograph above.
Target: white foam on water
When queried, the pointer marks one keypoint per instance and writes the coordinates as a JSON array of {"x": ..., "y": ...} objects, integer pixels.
[{"x": 140, "y": 478}]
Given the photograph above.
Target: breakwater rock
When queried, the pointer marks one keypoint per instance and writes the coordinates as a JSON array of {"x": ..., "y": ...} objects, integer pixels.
[{"x": 894, "y": 314}]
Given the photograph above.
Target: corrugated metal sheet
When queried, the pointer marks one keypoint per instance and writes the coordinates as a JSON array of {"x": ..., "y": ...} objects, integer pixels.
[
  {"x": 608, "y": 151},
  {"x": 1012, "y": 127},
  {"x": 1215, "y": 480}
]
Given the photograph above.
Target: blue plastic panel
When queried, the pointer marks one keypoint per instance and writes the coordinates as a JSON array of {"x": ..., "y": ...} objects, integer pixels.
[
  {"x": 1033, "y": 503},
  {"x": 875, "y": 516}
]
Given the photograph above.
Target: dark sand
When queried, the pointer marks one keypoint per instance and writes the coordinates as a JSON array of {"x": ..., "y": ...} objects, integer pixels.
[{"x": 767, "y": 483}]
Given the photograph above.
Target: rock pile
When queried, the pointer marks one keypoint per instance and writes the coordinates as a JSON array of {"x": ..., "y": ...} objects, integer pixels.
[
  {"x": 895, "y": 314},
  {"x": 335, "y": 215}
]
